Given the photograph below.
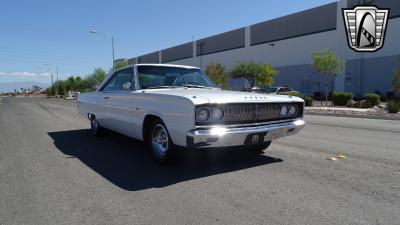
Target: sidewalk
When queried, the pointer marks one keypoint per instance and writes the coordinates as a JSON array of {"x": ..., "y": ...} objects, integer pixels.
[{"x": 370, "y": 113}]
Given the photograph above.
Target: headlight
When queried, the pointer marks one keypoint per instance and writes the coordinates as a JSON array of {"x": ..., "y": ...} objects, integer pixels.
[
  {"x": 217, "y": 114},
  {"x": 284, "y": 110},
  {"x": 292, "y": 110},
  {"x": 202, "y": 115}
]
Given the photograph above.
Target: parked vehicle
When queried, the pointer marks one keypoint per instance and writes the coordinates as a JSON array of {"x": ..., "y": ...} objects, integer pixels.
[
  {"x": 280, "y": 90},
  {"x": 255, "y": 90},
  {"x": 271, "y": 90},
  {"x": 171, "y": 105},
  {"x": 72, "y": 95}
]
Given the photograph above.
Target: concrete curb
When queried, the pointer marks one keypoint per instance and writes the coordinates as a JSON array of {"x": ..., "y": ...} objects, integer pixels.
[{"x": 379, "y": 117}]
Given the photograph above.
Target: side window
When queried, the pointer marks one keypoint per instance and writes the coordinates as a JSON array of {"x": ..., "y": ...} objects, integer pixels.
[{"x": 118, "y": 80}]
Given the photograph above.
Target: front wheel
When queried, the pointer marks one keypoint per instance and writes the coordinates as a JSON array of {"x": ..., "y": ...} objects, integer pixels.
[
  {"x": 95, "y": 127},
  {"x": 160, "y": 143},
  {"x": 260, "y": 148}
]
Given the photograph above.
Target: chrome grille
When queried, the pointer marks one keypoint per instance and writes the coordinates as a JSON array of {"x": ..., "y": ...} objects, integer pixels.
[{"x": 240, "y": 113}]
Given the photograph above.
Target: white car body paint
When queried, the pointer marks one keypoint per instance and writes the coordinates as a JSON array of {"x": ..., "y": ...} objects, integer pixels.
[{"x": 124, "y": 111}]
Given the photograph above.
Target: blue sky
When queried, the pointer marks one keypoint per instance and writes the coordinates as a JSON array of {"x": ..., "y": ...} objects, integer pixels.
[{"x": 35, "y": 33}]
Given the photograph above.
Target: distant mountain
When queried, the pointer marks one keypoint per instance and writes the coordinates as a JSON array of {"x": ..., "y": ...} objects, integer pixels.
[{"x": 11, "y": 86}]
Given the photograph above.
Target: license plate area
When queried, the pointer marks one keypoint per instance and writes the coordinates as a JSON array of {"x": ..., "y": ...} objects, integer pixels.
[{"x": 256, "y": 138}]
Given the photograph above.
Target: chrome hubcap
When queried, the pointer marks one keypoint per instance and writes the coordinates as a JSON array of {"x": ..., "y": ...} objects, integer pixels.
[
  {"x": 160, "y": 140},
  {"x": 94, "y": 125}
]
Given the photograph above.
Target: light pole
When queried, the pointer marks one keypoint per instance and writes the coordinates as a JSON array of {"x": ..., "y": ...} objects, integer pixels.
[
  {"x": 112, "y": 43},
  {"x": 48, "y": 70},
  {"x": 51, "y": 73}
]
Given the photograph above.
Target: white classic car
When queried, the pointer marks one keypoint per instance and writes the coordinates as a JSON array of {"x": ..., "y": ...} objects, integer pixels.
[{"x": 171, "y": 105}]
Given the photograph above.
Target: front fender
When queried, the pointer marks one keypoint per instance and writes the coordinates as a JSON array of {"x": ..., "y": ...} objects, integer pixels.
[{"x": 177, "y": 113}]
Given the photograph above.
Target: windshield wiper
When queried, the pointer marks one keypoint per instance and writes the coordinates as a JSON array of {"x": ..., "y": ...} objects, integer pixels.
[
  {"x": 159, "y": 87},
  {"x": 193, "y": 86}
]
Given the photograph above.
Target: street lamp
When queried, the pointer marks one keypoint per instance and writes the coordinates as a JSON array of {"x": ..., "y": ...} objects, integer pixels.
[{"x": 112, "y": 43}]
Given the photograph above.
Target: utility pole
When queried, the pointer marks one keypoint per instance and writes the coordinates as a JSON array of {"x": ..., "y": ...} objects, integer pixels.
[
  {"x": 51, "y": 73},
  {"x": 112, "y": 44},
  {"x": 52, "y": 81},
  {"x": 57, "y": 72}
]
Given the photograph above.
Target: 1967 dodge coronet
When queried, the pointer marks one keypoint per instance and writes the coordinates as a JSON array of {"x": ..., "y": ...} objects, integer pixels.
[{"x": 171, "y": 105}]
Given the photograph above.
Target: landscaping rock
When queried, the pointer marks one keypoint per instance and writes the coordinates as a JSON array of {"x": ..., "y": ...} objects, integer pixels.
[
  {"x": 362, "y": 104},
  {"x": 365, "y": 104},
  {"x": 350, "y": 103}
]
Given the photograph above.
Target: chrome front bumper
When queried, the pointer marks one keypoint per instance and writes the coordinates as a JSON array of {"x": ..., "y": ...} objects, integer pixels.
[{"x": 225, "y": 136}]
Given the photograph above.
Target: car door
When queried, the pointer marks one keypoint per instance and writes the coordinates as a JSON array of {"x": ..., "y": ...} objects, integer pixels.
[{"x": 118, "y": 101}]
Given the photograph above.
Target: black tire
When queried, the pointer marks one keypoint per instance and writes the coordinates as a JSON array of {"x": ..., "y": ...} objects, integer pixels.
[
  {"x": 160, "y": 143},
  {"x": 95, "y": 127},
  {"x": 260, "y": 148}
]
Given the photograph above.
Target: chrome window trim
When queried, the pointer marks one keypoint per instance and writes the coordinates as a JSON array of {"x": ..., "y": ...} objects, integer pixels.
[{"x": 113, "y": 74}]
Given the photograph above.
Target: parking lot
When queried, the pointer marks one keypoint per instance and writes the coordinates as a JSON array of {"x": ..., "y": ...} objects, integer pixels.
[{"x": 53, "y": 171}]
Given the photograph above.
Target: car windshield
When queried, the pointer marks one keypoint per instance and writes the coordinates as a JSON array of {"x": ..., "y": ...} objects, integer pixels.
[{"x": 151, "y": 77}]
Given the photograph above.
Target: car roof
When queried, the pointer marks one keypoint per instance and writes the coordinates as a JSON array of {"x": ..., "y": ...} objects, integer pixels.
[
  {"x": 166, "y": 65},
  {"x": 156, "y": 64}
]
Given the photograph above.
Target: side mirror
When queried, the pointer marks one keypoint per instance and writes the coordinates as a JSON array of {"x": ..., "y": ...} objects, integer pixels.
[{"x": 127, "y": 86}]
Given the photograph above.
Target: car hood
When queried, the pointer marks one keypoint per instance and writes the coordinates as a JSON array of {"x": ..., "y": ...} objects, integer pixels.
[{"x": 216, "y": 96}]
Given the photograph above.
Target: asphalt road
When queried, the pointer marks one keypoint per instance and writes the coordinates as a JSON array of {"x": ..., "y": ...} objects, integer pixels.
[{"x": 52, "y": 171}]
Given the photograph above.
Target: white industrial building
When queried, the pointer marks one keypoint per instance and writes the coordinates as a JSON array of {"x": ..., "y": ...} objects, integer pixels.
[{"x": 287, "y": 43}]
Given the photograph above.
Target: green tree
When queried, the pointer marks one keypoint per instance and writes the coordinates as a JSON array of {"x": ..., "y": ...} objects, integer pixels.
[
  {"x": 261, "y": 74},
  {"x": 216, "y": 72},
  {"x": 61, "y": 88},
  {"x": 266, "y": 77},
  {"x": 88, "y": 83},
  {"x": 120, "y": 63},
  {"x": 94, "y": 79},
  {"x": 70, "y": 83},
  {"x": 396, "y": 80},
  {"x": 246, "y": 70},
  {"x": 79, "y": 82},
  {"x": 326, "y": 63},
  {"x": 36, "y": 88},
  {"x": 53, "y": 90}
]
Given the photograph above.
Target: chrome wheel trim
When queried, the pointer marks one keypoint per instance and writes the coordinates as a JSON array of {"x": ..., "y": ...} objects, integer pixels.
[
  {"x": 94, "y": 125},
  {"x": 159, "y": 140}
]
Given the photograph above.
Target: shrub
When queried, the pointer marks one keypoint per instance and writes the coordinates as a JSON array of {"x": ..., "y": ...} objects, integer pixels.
[
  {"x": 341, "y": 98},
  {"x": 393, "y": 106},
  {"x": 307, "y": 100},
  {"x": 216, "y": 72},
  {"x": 373, "y": 99}
]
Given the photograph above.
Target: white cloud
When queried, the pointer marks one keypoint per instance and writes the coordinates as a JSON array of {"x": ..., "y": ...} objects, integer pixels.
[{"x": 25, "y": 74}]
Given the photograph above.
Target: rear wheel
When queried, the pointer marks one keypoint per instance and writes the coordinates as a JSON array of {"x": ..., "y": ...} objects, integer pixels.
[
  {"x": 159, "y": 141},
  {"x": 95, "y": 127}
]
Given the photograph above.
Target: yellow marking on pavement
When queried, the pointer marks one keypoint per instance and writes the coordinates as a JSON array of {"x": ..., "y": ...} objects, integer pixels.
[{"x": 337, "y": 157}]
